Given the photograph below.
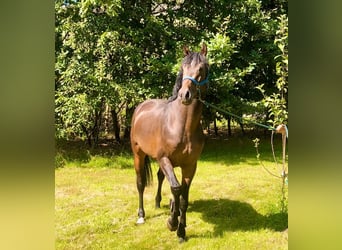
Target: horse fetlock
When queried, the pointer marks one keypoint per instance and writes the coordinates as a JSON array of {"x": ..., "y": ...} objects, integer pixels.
[
  {"x": 181, "y": 240},
  {"x": 172, "y": 224},
  {"x": 158, "y": 200},
  {"x": 140, "y": 220},
  {"x": 181, "y": 231},
  {"x": 141, "y": 213}
]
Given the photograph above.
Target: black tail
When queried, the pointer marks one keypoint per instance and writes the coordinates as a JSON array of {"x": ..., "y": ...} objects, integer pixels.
[{"x": 148, "y": 172}]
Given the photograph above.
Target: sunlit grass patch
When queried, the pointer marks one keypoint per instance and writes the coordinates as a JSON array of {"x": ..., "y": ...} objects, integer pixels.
[{"x": 233, "y": 203}]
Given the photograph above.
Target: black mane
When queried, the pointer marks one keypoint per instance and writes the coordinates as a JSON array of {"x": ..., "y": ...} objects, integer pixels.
[
  {"x": 177, "y": 86},
  {"x": 193, "y": 56}
]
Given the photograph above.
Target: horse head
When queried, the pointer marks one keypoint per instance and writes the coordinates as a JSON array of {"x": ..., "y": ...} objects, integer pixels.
[{"x": 195, "y": 72}]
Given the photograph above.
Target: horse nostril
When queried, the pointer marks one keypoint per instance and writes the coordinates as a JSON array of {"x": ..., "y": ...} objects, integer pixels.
[{"x": 187, "y": 95}]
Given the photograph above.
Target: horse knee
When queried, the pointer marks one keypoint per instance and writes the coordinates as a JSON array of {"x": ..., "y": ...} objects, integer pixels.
[{"x": 176, "y": 191}]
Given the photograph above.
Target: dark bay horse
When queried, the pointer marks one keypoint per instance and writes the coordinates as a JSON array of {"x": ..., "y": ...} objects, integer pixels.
[{"x": 170, "y": 132}]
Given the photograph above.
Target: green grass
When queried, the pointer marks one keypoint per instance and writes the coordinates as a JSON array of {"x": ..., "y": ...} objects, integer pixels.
[{"x": 233, "y": 203}]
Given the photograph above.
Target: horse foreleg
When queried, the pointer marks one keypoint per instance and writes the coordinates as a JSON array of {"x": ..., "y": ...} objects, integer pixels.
[
  {"x": 184, "y": 200},
  {"x": 172, "y": 222},
  {"x": 161, "y": 178},
  {"x": 187, "y": 175},
  {"x": 167, "y": 168}
]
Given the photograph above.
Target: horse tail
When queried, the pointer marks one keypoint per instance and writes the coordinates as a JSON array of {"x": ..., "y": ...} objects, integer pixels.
[{"x": 148, "y": 172}]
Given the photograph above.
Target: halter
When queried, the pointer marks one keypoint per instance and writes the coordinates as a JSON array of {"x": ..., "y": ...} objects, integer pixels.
[
  {"x": 201, "y": 83},
  {"x": 197, "y": 83}
]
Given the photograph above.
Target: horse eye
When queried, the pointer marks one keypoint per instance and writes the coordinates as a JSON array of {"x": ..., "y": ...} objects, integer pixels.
[{"x": 202, "y": 73}]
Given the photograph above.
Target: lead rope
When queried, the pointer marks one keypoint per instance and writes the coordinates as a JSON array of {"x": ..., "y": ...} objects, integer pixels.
[
  {"x": 234, "y": 115},
  {"x": 281, "y": 129}
]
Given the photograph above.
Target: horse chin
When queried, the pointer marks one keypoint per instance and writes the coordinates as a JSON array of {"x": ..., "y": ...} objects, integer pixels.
[{"x": 186, "y": 102}]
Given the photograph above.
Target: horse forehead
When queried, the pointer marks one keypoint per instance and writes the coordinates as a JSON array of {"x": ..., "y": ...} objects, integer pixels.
[
  {"x": 194, "y": 66},
  {"x": 194, "y": 63}
]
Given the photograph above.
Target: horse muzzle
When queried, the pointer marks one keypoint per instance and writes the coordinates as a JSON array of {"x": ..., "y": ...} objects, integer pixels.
[{"x": 186, "y": 96}]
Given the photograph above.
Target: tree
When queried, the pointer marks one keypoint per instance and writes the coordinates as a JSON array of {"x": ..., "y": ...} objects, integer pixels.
[
  {"x": 276, "y": 103},
  {"x": 116, "y": 54},
  {"x": 80, "y": 88}
]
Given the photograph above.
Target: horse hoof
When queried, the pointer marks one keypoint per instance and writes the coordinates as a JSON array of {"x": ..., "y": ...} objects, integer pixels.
[
  {"x": 141, "y": 220},
  {"x": 181, "y": 240},
  {"x": 170, "y": 227}
]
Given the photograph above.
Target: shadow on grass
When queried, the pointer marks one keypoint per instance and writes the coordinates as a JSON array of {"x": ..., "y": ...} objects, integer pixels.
[
  {"x": 228, "y": 215},
  {"x": 229, "y": 151},
  {"x": 106, "y": 154},
  {"x": 235, "y": 150}
]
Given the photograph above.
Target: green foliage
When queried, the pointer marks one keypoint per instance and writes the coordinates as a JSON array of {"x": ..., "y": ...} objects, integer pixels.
[
  {"x": 118, "y": 53},
  {"x": 276, "y": 103},
  {"x": 284, "y": 178},
  {"x": 59, "y": 160}
]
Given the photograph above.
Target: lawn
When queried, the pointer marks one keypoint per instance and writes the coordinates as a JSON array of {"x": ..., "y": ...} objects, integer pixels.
[{"x": 234, "y": 203}]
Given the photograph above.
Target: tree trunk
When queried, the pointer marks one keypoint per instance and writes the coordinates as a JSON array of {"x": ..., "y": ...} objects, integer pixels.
[
  {"x": 129, "y": 114},
  {"x": 241, "y": 126},
  {"x": 229, "y": 119},
  {"x": 88, "y": 135},
  {"x": 215, "y": 127},
  {"x": 95, "y": 131},
  {"x": 116, "y": 125}
]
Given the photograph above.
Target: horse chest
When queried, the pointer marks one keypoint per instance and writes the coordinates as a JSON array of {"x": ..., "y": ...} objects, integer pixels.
[{"x": 185, "y": 150}]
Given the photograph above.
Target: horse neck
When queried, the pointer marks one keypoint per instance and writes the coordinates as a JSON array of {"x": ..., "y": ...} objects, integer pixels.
[{"x": 187, "y": 116}]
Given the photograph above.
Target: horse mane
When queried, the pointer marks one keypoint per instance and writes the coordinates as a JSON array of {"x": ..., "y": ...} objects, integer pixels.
[
  {"x": 192, "y": 56},
  {"x": 177, "y": 86}
]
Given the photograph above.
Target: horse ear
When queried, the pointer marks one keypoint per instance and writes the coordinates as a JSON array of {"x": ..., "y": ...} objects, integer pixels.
[
  {"x": 204, "y": 49},
  {"x": 186, "y": 50}
]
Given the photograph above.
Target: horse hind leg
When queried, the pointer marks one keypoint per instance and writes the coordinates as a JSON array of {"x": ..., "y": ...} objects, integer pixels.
[
  {"x": 161, "y": 178},
  {"x": 143, "y": 171}
]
